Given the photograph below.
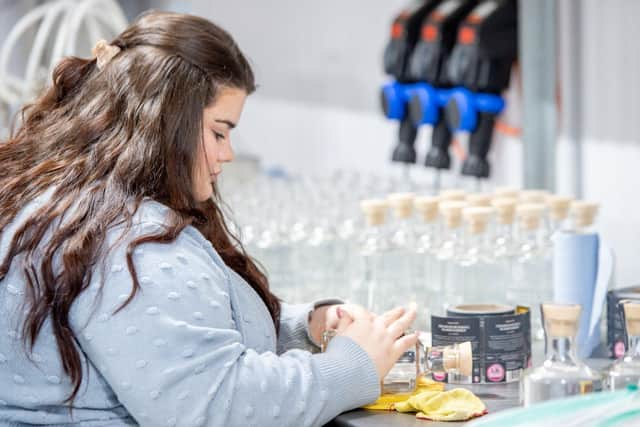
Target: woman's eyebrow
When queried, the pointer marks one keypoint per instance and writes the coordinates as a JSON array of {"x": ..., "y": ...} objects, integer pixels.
[{"x": 226, "y": 122}]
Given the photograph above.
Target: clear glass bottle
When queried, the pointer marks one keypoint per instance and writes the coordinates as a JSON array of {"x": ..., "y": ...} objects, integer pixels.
[
  {"x": 453, "y": 360},
  {"x": 583, "y": 216},
  {"x": 401, "y": 255},
  {"x": 449, "y": 253},
  {"x": 626, "y": 371},
  {"x": 532, "y": 268},
  {"x": 558, "y": 213},
  {"x": 371, "y": 290},
  {"x": 476, "y": 267},
  {"x": 562, "y": 374},
  {"x": 348, "y": 230},
  {"x": 317, "y": 260},
  {"x": 504, "y": 244},
  {"x": 274, "y": 252},
  {"x": 425, "y": 279}
]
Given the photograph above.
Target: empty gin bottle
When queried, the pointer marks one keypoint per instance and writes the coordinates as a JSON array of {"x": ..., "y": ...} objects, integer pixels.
[
  {"x": 504, "y": 244},
  {"x": 532, "y": 267},
  {"x": 562, "y": 373},
  {"x": 371, "y": 290},
  {"x": 626, "y": 371},
  {"x": 449, "y": 253},
  {"x": 400, "y": 257},
  {"x": 425, "y": 278},
  {"x": 476, "y": 266}
]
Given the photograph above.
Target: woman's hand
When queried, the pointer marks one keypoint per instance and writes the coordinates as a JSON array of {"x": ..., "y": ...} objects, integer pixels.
[
  {"x": 325, "y": 318},
  {"x": 380, "y": 336}
]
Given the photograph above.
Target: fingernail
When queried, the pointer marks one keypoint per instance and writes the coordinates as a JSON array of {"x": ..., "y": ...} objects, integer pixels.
[
  {"x": 339, "y": 312},
  {"x": 413, "y": 305}
]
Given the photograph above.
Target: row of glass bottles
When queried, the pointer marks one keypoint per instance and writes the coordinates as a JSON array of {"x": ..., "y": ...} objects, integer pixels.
[
  {"x": 470, "y": 253},
  {"x": 563, "y": 374},
  {"x": 436, "y": 251}
]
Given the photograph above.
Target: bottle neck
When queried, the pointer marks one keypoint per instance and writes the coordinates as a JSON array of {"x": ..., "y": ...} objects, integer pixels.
[
  {"x": 633, "y": 346},
  {"x": 452, "y": 234},
  {"x": 529, "y": 237},
  {"x": 561, "y": 349},
  {"x": 427, "y": 235},
  {"x": 504, "y": 230},
  {"x": 476, "y": 241}
]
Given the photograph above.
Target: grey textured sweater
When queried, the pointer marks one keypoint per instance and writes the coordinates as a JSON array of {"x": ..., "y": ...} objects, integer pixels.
[{"x": 195, "y": 347}]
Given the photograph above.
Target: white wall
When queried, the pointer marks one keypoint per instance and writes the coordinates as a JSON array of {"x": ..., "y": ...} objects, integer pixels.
[
  {"x": 317, "y": 107},
  {"x": 319, "y": 68}
]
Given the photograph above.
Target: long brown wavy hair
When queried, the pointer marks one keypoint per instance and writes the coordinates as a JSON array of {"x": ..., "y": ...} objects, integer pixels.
[{"x": 108, "y": 138}]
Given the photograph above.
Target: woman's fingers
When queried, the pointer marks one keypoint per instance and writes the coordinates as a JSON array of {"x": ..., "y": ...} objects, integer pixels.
[
  {"x": 405, "y": 343},
  {"x": 399, "y": 326},
  {"x": 392, "y": 315},
  {"x": 355, "y": 312}
]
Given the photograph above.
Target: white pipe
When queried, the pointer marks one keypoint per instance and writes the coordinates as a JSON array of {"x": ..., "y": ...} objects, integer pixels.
[{"x": 98, "y": 18}]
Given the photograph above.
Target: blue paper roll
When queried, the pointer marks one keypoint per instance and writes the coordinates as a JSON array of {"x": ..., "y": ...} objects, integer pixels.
[{"x": 575, "y": 271}]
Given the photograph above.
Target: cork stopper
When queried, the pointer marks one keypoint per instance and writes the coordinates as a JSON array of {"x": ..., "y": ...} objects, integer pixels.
[
  {"x": 451, "y": 212},
  {"x": 584, "y": 213},
  {"x": 632, "y": 318},
  {"x": 478, "y": 199},
  {"x": 402, "y": 204},
  {"x": 506, "y": 192},
  {"x": 505, "y": 209},
  {"x": 533, "y": 196},
  {"x": 427, "y": 207},
  {"x": 559, "y": 207},
  {"x": 530, "y": 215},
  {"x": 561, "y": 320},
  {"x": 453, "y": 195},
  {"x": 477, "y": 218},
  {"x": 459, "y": 359},
  {"x": 374, "y": 210}
]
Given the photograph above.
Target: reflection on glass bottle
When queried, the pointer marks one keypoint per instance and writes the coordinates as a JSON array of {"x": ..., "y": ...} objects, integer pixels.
[
  {"x": 476, "y": 268},
  {"x": 558, "y": 213},
  {"x": 450, "y": 252},
  {"x": 626, "y": 371},
  {"x": 425, "y": 280},
  {"x": 532, "y": 273},
  {"x": 504, "y": 244},
  {"x": 562, "y": 374},
  {"x": 400, "y": 257},
  {"x": 371, "y": 291},
  {"x": 423, "y": 361}
]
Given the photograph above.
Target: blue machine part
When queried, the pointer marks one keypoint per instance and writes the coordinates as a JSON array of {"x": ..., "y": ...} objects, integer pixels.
[
  {"x": 395, "y": 98},
  {"x": 468, "y": 104},
  {"x": 426, "y": 103}
]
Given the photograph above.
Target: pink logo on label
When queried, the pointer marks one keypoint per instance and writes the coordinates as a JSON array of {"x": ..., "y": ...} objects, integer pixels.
[
  {"x": 495, "y": 373},
  {"x": 618, "y": 349},
  {"x": 439, "y": 376}
]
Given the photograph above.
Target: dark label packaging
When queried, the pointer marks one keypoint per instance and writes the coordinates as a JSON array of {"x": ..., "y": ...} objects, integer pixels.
[{"x": 501, "y": 344}]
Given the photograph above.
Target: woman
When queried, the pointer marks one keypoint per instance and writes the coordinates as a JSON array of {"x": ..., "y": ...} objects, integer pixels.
[{"x": 124, "y": 297}]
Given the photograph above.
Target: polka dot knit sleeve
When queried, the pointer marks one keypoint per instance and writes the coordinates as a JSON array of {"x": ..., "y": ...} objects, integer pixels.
[{"x": 175, "y": 356}]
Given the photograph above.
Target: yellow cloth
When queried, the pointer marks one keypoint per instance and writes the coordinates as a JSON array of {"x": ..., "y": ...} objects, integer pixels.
[
  {"x": 458, "y": 404},
  {"x": 430, "y": 401},
  {"x": 386, "y": 402}
]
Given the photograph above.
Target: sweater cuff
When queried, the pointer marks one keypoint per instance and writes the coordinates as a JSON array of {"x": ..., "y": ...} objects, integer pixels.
[
  {"x": 350, "y": 375},
  {"x": 294, "y": 325}
]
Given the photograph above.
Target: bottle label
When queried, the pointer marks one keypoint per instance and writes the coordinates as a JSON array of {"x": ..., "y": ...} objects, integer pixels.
[{"x": 501, "y": 344}]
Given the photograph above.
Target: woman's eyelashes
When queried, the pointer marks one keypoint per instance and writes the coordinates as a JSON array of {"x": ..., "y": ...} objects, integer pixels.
[{"x": 218, "y": 135}]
